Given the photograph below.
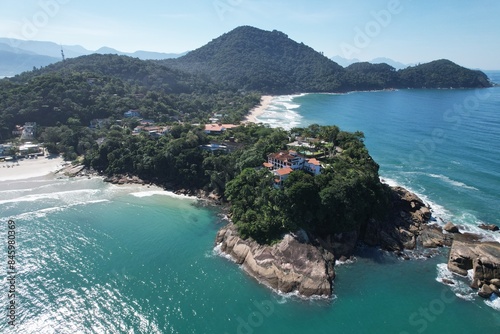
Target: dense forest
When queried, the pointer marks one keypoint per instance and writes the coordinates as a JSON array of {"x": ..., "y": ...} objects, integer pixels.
[
  {"x": 106, "y": 86},
  {"x": 272, "y": 63},
  {"x": 343, "y": 198}
]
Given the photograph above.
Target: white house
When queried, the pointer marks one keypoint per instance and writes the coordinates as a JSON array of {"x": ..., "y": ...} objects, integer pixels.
[
  {"x": 285, "y": 162},
  {"x": 30, "y": 148},
  {"x": 280, "y": 175},
  {"x": 313, "y": 166},
  {"x": 284, "y": 159},
  {"x": 29, "y": 130},
  {"x": 132, "y": 113}
]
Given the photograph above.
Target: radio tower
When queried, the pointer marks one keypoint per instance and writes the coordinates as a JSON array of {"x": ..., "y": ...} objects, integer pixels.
[
  {"x": 62, "y": 54},
  {"x": 63, "y": 72}
]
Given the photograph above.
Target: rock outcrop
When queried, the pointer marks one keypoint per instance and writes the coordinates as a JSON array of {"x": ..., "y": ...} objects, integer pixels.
[
  {"x": 489, "y": 227},
  {"x": 305, "y": 263},
  {"x": 483, "y": 258},
  {"x": 124, "y": 179},
  {"x": 451, "y": 228},
  {"x": 293, "y": 264},
  {"x": 406, "y": 227}
]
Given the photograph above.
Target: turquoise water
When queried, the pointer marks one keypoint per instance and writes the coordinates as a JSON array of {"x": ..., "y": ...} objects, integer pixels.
[{"x": 98, "y": 258}]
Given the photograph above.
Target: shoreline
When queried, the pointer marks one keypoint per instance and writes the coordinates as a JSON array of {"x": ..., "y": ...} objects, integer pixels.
[
  {"x": 257, "y": 111},
  {"x": 30, "y": 168}
]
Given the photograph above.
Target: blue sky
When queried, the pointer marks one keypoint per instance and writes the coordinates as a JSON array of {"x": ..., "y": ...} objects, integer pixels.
[{"x": 409, "y": 31}]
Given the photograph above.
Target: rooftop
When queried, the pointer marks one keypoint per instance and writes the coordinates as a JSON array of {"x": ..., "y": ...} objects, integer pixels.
[{"x": 283, "y": 171}]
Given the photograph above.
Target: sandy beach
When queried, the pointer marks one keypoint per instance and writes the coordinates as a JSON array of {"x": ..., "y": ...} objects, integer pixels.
[
  {"x": 259, "y": 110},
  {"x": 28, "y": 168}
]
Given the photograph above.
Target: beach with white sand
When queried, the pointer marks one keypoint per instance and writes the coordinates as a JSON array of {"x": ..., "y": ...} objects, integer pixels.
[
  {"x": 253, "y": 115},
  {"x": 29, "y": 168}
]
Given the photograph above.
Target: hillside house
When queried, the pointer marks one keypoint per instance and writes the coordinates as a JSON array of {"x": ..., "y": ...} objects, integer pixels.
[
  {"x": 18, "y": 130},
  {"x": 215, "y": 129},
  {"x": 29, "y": 131},
  {"x": 285, "y": 162},
  {"x": 153, "y": 131},
  {"x": 284, "y": 159},
  {"x": 131, "y": 113},
  {"x": 280, "y": 175},
  {"x": 313, "y": 166}
]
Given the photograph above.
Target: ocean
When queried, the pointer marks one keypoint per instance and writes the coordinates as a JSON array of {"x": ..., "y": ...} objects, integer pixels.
[{"x": 98, "y": 258}]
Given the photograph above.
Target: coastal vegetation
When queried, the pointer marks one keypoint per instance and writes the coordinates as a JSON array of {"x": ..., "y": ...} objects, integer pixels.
[
  {"x": 342, "y": 198},
  {"x": 218, "y": 82}
]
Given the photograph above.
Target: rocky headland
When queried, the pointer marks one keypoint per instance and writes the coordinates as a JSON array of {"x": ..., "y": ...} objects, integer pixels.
[{"x": 304, "y": 263}]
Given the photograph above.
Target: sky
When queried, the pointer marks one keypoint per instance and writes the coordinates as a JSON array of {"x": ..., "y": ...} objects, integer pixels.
[{"x": 408, "y": 31}]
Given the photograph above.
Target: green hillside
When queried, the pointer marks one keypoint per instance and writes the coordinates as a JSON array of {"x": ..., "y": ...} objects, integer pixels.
[{"x": 268, "y": 61}]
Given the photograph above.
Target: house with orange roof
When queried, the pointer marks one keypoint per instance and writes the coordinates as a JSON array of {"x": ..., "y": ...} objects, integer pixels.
[
  {"x": 284, "y": 162},
  {"x": 312, "y": 166},
  {"x": 218, "y": 128},
  {"x": 284, "y": 159},
  {"x": 280, "y": 175}
]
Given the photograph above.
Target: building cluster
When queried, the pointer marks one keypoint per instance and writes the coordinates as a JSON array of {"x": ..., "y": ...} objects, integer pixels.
[
  {"x": 284, "y": 162},
  {"x": 26, "y": 132}
]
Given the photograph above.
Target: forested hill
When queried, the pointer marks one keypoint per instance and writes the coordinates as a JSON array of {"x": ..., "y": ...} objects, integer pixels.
[
  {"x": 270, "y": 62},
  {"x": 266, "y": 61},
  {"x": 144, "y": 73},
  {"x": 81, "y": 89}
]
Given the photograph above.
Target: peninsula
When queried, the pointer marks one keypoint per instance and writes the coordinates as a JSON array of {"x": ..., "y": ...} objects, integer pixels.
[{"x": 299, "y": 200}]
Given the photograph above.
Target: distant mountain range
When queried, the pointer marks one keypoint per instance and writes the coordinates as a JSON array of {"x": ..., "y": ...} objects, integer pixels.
[
  {"x": 268, "y": 61},
  {"x": 247, "y": 59},
  {"x": 380, "y": 60},
  {"x": 17, "y": 56}
]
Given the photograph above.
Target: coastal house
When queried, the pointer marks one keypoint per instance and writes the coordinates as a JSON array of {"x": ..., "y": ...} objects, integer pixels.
[
  {"x": 6, "y": 150},
  {"x": 29, "y": 131},
  {"x": 312, "y": 166},
  {"x": 29, "y": 148},
  {"x": 18, "y": 130},
  {"x": 284, "y": 159},
  {"x": 131, "y": 113},
  {"x": 215, "y": 129},
  {"x": 153, "y": 131},
  {"x": 284, "y": 162},
  {"x": 280, "y": 175}
]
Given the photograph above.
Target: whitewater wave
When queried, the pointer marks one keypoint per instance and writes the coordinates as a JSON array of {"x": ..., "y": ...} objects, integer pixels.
[
  {"x": 281, "y": 113},
  {"x": 46, "y": 211},
  {"x": 459, "y": 287},
  {"x": 454, "y": 183},
  {"x": 217, "y": 251},
  {"x": 493, "y": 302},
  {"x": 466, "y": 222},
  {"x": 63, "y": 196},
  {"x": 437, "y": 210},
  {"x": 150, "y": 193}
]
